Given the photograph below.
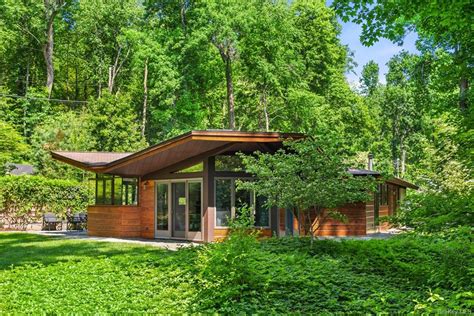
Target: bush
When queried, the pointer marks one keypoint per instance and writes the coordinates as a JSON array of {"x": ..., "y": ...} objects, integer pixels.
[
  {"x": 24, "y": 199},
  {"x": 438, "y": 211}
]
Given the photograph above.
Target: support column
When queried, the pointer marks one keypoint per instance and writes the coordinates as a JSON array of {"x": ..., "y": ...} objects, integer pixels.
[
  {"x": 209, "y": 208},
  {"x": 275, "y": 221}
]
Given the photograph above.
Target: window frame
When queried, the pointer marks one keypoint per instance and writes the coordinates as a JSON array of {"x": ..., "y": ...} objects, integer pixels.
[
  {"x": 253, "y": 197},
  {"x": 101, "y": 180}
]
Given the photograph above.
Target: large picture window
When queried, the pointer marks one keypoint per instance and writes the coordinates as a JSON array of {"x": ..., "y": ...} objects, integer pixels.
[
  {"x": 115, "y": 190},
  {"x": 229, "y": 201},
  {"x": 162, "y": 206},
  {"x": 383, "y": 194},
  {"x": 223, "y": 201}
]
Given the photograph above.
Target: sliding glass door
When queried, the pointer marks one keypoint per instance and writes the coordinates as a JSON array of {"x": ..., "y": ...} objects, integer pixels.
[{"x": 179, "y": 209}]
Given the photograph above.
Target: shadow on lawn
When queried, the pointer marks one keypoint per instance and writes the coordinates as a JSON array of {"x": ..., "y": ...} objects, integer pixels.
[{"x": 20, "y": 249}]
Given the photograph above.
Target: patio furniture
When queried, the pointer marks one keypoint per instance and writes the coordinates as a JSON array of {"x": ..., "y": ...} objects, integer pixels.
[
  {"x": 52, "y": 222},
  {"x": 77, "y": 221}
]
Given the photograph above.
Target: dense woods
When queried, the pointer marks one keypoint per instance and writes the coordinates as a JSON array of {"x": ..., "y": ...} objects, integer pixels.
[{"x": 117, "y": 75}]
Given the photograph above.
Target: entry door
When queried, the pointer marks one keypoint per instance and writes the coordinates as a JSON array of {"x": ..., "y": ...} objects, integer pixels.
[{"x": 179, "y": 202}]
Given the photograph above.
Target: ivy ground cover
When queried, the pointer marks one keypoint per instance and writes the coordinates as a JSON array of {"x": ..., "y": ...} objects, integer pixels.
[{"x": 402, "y": 274}]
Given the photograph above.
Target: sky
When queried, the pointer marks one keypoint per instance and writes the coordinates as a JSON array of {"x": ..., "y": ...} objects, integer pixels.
[{"x": 380, "y": 52}]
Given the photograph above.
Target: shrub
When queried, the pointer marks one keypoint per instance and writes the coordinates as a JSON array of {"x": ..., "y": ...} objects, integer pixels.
[
  {"x": 436, "y": 211},
  {"x": 23, "y": 199}
]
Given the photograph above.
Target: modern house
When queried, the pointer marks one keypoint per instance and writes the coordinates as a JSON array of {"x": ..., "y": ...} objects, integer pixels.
[{"x": 184, "y": 188}]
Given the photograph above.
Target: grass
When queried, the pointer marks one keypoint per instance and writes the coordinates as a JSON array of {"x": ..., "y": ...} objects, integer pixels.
[{"x": 52, "y": 275}]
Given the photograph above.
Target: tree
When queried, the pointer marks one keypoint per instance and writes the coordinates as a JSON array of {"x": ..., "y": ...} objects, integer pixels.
[
  {"x": 446, "y": 24},
  {"x": 12, "y": 146},
  {"x": 370, "y": 77},
  {"x": 51, "y": 10},
  {"x": 225, "y": 24},
  {"x": 114, "y": 125},
  {"x": 69, "y": 131},
  {"x": 310, "y": 177}
]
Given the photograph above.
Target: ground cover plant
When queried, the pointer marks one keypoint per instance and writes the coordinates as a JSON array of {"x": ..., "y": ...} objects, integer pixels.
[{"x": 403, "y": 274}]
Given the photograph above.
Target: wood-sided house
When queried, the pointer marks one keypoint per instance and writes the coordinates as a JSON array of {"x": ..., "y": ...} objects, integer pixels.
[{"x": 184, "y": 188}]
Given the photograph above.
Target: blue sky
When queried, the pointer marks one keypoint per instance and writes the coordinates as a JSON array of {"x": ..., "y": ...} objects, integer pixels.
[{"x": 380, "y": 52}]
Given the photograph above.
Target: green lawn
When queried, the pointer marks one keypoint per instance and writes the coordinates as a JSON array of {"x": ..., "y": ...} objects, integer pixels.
[{"x": 54, "y": 275}]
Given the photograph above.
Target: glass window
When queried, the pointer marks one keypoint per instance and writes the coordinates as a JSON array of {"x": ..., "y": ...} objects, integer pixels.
[
  {"x": 194, "y": 196},
  {"x": 162, "y": 206},
  {"x": 223, "y": 201},
  {"x": 243, "y": 199},
  {"x": 107, "y": 199},
  {"x": 262, "y": 214},
  {"x": 383, "y": 194},
  {"x": 196, "y": 168},
  {"x": 129, "y": 191},
  {"x": 115, "y": 190}
]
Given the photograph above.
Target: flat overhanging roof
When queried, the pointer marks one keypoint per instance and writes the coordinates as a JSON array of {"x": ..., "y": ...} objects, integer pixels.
[
  {"x": 193, "y": 146},
  {"x": 186, "y": 150}
]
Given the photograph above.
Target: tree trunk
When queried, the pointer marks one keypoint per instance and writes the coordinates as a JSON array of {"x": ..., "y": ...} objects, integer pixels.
[
  {"x": 402, "y": 167},
  {"x": 230, "y": 92},
  {"x": 463, "y": 92},
  {"x": 48, "y": 49},
  {"x": 115, "y": 68},
  {"x": 265, "y": 110},
  {"x": 110, "y": 84},
  {"x": 145, "y": 96}
]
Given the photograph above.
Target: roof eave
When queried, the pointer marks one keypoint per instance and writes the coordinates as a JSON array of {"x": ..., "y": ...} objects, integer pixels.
[{"x": 85, "y": 166}]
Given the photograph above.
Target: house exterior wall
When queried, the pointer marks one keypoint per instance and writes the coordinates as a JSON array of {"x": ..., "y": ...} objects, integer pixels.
[
  {"x": 114, "y": 221},
  {"x": 355, "y": 226},
  {"x": 370, "y": 216},
  {"x": 125, "y": 221},
  {"x": 139, "y": 221},
  {"x": 147, "y": 204},
  {"x": 221, "y": 233}
]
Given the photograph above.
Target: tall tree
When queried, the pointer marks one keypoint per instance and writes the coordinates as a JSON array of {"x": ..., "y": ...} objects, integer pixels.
[
  {"x": 446, "y": 24},
  {"x": 370, "y": 77},
  {"x": 51, "y": 10}
]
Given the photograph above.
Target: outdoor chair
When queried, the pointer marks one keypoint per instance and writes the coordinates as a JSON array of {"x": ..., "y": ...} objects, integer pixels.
[
  {"x": 77, "y": 221},
  {"x": 52, "y": 222}
]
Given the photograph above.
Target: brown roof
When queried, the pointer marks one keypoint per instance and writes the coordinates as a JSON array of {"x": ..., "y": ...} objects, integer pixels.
[
  {"x": 88, "y": 159},
  {"x": 186, "y": 147},
  {"x": 185, "y": 150}
]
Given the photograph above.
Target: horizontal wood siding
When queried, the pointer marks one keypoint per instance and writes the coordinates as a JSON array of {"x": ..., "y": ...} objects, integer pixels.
[
  {"x": 221, "y": 233},
  {"x": 356, "y": 224},
  {"x": 147, "y": 204},
  {"x": 114, "y": 221},
  {"x": 370, "y": 216}
]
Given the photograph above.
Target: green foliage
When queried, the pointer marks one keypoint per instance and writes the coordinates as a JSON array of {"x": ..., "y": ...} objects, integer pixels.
[
  {"x": 24, "y": 199},
  {"x": 114, "y": 126},
  {"x": 12, "y": 146},
  {"x": 370, "y": 77},
  {"x": 67, "y": 131},
  {"x": 227, "y": 273},
  {"x": 308, "y": 176},
  {"x": 404, "y": 274},
  {"x": 437, "y": 211}
]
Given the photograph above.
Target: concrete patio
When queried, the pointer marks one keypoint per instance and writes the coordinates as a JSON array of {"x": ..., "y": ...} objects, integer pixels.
[{"x": 160, "y": 243}]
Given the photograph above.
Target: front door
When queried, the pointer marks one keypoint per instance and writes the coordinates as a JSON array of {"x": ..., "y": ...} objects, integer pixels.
[
  {"x": 179, "y": 202},
  {"x": 184, "y": 209}
]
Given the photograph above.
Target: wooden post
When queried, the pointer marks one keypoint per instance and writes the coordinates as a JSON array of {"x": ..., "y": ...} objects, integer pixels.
[
  {"x": 209, "y": 208},
  {"x": 275, "y": 221}
]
